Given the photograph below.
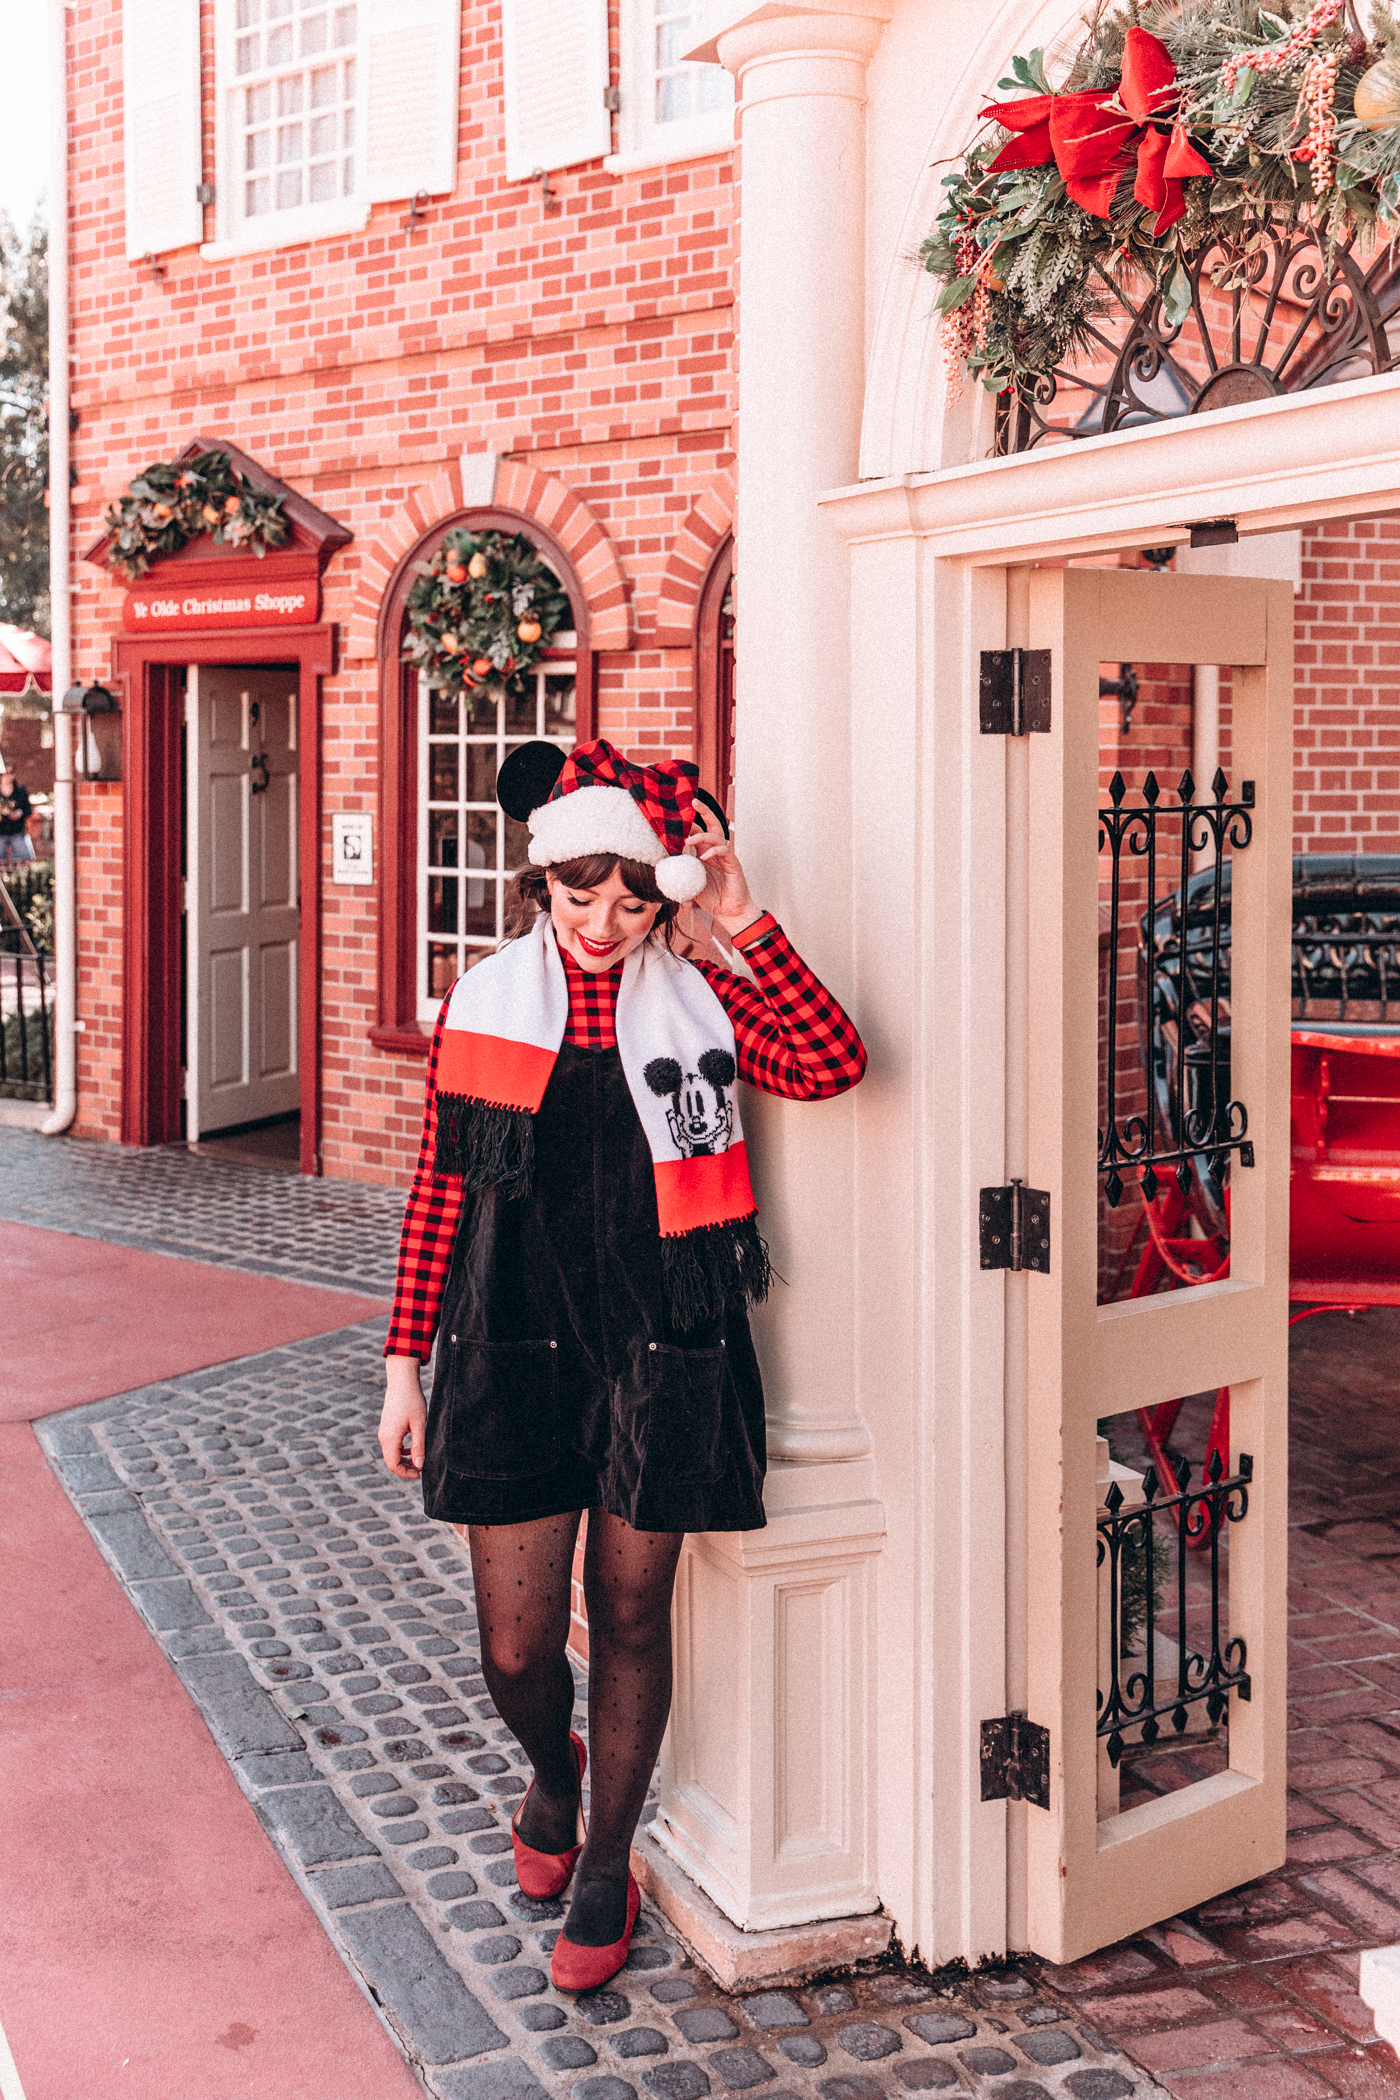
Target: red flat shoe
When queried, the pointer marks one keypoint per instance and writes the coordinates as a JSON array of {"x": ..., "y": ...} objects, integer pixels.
[
  {"x": 574, "y": 1968},
  {"x": 544, "y": 1874}
]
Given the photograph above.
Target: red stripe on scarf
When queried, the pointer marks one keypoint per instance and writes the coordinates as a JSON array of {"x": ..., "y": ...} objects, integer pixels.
[
  {"x": 691, "y": 1193},
  {"x": 493, "y": 1069}
]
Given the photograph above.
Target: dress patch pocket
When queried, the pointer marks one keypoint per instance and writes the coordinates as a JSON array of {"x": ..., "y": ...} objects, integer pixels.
[
  {"x": 503, "y": 1413},
  {"x": 685, "y": 1424}
]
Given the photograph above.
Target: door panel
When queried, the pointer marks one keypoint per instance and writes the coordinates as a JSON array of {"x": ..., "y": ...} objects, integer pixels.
[
  {"x": 1094, "y": 1873},
  {"x": 228, "y": 1020},
  {"x": 243, "y": 896},
  {"x": 228, "y": 843},
  {"x": 278, "y": 999}
]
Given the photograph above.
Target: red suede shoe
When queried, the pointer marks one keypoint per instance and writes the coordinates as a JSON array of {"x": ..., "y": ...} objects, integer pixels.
[
  {"x": 574, "y": 1968},
  {"x": 544, "y": 1874}
]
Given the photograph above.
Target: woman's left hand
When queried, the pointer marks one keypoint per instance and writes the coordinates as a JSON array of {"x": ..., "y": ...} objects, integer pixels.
[{"x": 726, "y": 893}]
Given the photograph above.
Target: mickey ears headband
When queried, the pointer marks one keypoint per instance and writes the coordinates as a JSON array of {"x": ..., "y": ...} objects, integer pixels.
[{"x": 527, "y": 780}]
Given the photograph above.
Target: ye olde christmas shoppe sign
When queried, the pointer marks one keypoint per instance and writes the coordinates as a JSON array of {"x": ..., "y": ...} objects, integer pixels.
[{"x": 280, "y": 591}]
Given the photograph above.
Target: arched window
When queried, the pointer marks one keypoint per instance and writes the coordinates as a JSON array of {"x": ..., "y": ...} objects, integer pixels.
[
  {"x": 714, "y": 678},
  {"x": 446, "y": 850}
]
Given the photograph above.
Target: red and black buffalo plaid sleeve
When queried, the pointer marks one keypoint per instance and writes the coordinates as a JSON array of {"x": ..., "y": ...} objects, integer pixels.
[
  {"x": 429, "y": 1224},
  {"x": 790, "y": 1036}
]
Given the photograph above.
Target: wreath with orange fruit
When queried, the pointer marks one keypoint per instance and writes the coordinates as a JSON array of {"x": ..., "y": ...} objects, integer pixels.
[
  {"x": 175, "y": 501},
  {"x": 481, "y": 614}
]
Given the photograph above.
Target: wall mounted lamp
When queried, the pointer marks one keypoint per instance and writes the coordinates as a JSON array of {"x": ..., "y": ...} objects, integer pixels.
[{"x": 97, "y": 752}]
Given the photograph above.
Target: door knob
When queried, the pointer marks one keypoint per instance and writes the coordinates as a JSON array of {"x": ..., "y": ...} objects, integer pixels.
[{"x": 261, "y": 776}]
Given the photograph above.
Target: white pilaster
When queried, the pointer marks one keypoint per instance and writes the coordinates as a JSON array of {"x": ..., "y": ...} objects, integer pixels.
[{"x": 769, "y": 1772}]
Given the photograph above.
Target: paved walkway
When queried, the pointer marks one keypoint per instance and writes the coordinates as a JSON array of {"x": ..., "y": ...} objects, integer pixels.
[{"x": 351, "y": 1770}]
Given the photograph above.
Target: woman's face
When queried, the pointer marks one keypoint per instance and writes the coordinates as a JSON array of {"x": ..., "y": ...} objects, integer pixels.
[{"x": 599, "y": 926}]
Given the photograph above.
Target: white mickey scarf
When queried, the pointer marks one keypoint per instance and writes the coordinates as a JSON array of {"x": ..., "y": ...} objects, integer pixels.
[{"x": 504, "y": 1028}]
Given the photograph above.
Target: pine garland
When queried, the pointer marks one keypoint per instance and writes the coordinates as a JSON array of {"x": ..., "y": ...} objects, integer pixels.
[
  {"x": 1264, "y": 95},
  {"x": 481, "y": 614},
  {"x": 173, "y": 502}
]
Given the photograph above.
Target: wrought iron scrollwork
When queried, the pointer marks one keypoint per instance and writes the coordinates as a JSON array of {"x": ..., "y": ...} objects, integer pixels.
[
  {"x": 1193, "y": 1119},
  {"x": 1197, "y": 1515},
  {"x": 1278, "y": 311}
]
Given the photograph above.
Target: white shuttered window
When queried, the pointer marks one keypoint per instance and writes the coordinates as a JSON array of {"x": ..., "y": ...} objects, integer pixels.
[
  {"x": 160, "y": 124},
  {"x": 556, "y": 75},
  {"x": 326, "y": 107}
]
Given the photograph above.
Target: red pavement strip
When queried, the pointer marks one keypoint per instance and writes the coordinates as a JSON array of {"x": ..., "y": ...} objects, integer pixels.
[
  {"x": 85, "y": 1320},
  {"x": 151, "y": 1940}
]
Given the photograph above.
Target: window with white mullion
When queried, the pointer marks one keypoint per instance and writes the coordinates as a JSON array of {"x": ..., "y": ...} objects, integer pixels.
[
  {"x": 293, "y": 105},
  {"x": 467, "y": 848},
  {"x": 670, "y": 105},
  {"x": 682, "y": 89}
]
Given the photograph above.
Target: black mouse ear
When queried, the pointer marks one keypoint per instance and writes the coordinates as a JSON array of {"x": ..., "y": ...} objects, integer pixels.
[
  {"x": 718, "y": 1067},
  {"x": 663, "y": 1075},
  {"x": 526, "y": 778},
  {"x": 702, "y": 795}
]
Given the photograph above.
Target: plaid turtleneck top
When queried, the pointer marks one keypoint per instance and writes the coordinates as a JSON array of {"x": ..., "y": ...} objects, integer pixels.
[{"x": 790, "y": 1038}]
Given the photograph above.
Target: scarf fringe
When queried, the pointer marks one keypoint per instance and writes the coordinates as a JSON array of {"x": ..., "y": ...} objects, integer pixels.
[
  {"x": 491, "y": 1148},
  {"x": 704, "y": 1271}
]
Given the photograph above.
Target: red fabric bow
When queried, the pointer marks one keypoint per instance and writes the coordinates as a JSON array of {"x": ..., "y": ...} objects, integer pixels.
[{"x": 1092, "y": 144}]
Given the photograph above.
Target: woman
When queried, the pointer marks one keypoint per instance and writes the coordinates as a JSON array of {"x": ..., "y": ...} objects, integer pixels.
[{"x": 582, "y": 1232}]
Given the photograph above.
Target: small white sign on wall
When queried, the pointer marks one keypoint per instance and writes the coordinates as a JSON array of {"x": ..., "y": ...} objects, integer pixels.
[{"x": 352, "y": 848}]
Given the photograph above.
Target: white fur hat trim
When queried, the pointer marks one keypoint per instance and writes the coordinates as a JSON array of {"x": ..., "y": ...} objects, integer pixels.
[
  {"x": 680, "y": 877},
  {"x": 593, "y": 820}
]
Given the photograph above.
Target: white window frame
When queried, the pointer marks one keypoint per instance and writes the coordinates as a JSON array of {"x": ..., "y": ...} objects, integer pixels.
[
  {"x": 643, "y": 142},
  {"x": 559, "y": 667},
  {"x": 277, "y": 229}
]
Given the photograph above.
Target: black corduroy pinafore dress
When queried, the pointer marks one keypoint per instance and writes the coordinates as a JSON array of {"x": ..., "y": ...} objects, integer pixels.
[{"x": 561, "y": 1382}]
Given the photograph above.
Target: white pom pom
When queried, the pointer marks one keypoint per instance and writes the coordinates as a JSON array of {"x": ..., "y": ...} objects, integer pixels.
[{"x": 680, "y": 877}]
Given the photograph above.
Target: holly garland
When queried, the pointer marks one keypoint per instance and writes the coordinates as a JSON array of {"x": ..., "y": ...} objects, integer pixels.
[
  {"x": 1180, "y": 124},
  {"x": 481, "y": 613},
  {"x": 175, "y": 501}
]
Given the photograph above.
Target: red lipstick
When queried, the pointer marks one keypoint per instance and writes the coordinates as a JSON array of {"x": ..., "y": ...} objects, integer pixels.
[{"x": 595, "y": 947}]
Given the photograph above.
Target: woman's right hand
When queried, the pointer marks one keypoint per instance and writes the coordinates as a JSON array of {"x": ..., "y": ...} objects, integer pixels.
[{"x": 404, "y": 1417}]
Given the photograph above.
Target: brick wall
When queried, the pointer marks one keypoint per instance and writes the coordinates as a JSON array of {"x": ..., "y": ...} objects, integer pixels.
[
  {"x": 1346, "y": 769},
  {"x": 594, "y": 344}
]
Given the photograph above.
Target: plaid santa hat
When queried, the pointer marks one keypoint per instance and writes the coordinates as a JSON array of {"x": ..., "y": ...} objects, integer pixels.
[{"x": 596, "y": 801}]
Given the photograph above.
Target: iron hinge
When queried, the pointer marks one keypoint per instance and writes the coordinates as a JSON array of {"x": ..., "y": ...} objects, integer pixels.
[
  {"x": 1013, "y": 1228},
  {"x": 1013, "y": 692},
  {"x": 1016, "y": 1760}
]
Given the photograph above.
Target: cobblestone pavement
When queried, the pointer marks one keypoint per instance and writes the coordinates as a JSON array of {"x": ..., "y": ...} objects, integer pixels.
[
  {"x": 168, "y": 1200},
  {"x": 1253, "y": 1996},
  {"x": 326, "y": 1631}
]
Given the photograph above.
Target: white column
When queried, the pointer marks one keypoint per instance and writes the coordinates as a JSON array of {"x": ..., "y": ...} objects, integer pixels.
[
  {"x": 769, "y": 1774},
  {"x": 801, "y": 78}
]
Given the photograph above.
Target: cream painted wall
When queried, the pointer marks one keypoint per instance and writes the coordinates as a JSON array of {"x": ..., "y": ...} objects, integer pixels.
[
  {"x": 937, "y": 62},
  {"x": 877, "y": 819}
]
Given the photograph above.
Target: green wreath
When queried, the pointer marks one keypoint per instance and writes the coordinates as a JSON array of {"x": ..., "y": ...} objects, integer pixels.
[
  {"x": 175, "y": 501},
  {"x": 1257, "y": 115},
  {"x": 481, "y": 614}
]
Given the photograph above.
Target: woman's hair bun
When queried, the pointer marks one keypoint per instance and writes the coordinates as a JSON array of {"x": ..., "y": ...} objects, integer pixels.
[{"x": 527, "y": 778}]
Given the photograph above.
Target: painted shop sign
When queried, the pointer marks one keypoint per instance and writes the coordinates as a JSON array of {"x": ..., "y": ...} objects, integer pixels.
[{"x": 277, "y": 602}]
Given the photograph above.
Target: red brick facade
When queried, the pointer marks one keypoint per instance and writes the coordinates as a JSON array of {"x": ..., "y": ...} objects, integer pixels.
[
  {"x": 1346, "y": 766},
  {"x": 590, "y": 347}
]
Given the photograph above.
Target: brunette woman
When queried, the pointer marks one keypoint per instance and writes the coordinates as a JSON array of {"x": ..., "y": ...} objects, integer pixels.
[{"x": 582, "y": 1238}]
